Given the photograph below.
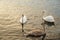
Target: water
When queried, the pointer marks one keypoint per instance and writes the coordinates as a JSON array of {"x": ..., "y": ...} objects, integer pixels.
[
  {"x": 10, "y": 12},
  {"x": 53, "y": 6}
]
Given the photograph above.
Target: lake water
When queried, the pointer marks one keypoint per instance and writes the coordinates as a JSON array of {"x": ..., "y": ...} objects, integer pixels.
[
  {"x": 10, "y": 13},
  {"x": 53, "y": 6}
]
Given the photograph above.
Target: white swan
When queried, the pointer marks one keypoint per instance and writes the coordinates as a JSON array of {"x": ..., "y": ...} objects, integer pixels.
[
  {"x": 23, "y": 20},
  {"x": 49, "y": 19}
]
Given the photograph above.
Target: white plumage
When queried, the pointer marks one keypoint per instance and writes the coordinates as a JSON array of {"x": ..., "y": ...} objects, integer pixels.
[
  {"x": 23, "y": 19},
  {"x": 49, "y": 18}
]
